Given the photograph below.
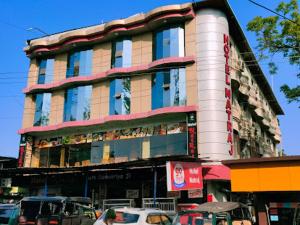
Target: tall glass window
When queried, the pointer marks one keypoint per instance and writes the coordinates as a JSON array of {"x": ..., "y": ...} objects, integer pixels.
[
  {"x": 77, "y": 103},
  {"x": 119, "y": 96},
  {"x": 121, "y": 53},
  {"x": 46, "y": 67},
  {"x": 42, "y": 109},
  {"x": 80, "y": 63},
  {"x": 168, "y": 88},
  {"x": 168, "y": 42}
]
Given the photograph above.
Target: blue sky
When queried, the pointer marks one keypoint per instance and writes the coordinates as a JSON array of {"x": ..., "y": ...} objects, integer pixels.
[{"x": 56, "y": 15}]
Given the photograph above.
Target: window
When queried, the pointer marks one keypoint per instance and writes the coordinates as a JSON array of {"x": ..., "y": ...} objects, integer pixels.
[
  {"x": 124, "y": 218},
  {"x": 45, "y": 75},
  {"x": 168, "y": 42},
  {"x": 42, "y": 109},
  {"x": 121, "y": 53},
  {"x": 119, "y": 96},
  {"x": 79, "y": 63},
  {"x": 168, "y": 88},
  {"x": 77, "y": 103}
]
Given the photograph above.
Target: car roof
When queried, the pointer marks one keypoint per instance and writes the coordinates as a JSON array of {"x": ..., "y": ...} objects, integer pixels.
[
  {"x": 58, "y": 199},
  {"x": 138, "y": 210},
  {"x": 44, "y": 198},
  {"x": 8, "y": 206}
]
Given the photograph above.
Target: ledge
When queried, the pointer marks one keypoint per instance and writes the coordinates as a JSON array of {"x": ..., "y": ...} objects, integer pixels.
[
  {"x": 107, "y": 119},
  {"x": 98, "y": 32},
  {"x": 104, "y": 75}
]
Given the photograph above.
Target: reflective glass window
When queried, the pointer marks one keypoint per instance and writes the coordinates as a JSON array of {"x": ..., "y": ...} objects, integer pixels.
[
  {"x": 45, "y": 74},
  {"x": 121, "y": 53},
  {"x": 168, "y": 88},
  {"x": 119, "y": 96},
  {"x": 168, "y": 42},
  {"x": 79, "y": 63},
  {"x": 42, "y": 109},
  {"x": 77, "y": 103}
]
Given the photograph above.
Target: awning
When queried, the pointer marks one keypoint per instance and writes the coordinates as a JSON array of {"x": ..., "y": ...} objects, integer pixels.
[{"x": 265, "y": 174}]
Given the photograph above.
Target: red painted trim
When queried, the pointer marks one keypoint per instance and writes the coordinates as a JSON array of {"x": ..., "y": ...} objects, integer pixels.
[
  {"x": 103, "y": 75},
  {"x": 107, "y": 119},
  {"x": 216, "y": 172},
  {"x": 109, "y": 30}
]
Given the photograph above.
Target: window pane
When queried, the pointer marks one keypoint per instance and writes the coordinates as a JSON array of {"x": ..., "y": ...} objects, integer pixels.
[
  {"x": 169, "y": 42},
  {"x": 97, "y": 152},
  {"x": 158, "y": 45},
  {"x": 126, "y": 149},
  {"x": 119, "y": 96},
  {"x": 80, "y": 63},
  {"x": 127, "y": 53},
  {"x": 166, "y": 43},
  {"x": 157, "y": 90},
  {"x": 83, "y": 103},
  {"x": 122, "y": 53},
  {"x": 168, "y": 88},
  {"x": 126, "y": 96},
  {"x": 77, "y": 103},
  {"x": 171, "y": 144},
  {"x": 54, "y": 157},
  {"x": 42, "y": 109},
  {"x": 49, "y": 71},
  {"x": 85, "y": 65}
]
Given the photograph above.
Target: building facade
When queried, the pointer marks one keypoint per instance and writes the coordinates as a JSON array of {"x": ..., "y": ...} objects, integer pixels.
[{"x": 180, "y": 80}]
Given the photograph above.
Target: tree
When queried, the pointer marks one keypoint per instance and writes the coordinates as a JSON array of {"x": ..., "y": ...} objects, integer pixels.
[{"x": 280, "y": 34}]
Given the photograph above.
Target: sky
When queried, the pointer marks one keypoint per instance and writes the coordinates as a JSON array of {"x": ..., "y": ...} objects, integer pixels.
[{"x": 16, "y": 16}]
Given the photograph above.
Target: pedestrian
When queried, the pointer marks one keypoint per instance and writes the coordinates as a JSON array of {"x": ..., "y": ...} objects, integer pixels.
[{"x": 109, "y": 217}]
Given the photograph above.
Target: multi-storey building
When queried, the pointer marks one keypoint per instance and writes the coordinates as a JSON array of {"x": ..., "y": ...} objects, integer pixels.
[{"x": 180, "y": 80}]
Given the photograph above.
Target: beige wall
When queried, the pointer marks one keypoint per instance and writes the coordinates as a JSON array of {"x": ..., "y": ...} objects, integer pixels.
[
  {"x": 191, "y": 85},
  {"x": 101, "y": 57},
  {"x": 60, "y": 67},
  {"x": 142, "y": 49},
  {"x": 141, "y": 93},
  {"x": 190, "y": 37},
  {"x": 33, "y": 73},
  {"x": 29, "y": 108},
  {"x": 57, "y": 107}
]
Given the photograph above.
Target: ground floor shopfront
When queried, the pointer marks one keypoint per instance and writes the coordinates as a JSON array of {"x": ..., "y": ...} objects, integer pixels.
[
  {"x": 139, "y": 183},
  {"x": 271, "y": 185}
]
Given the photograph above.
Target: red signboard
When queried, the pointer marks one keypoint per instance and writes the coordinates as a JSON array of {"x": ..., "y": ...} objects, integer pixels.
[{"x": 184, "y": 176}]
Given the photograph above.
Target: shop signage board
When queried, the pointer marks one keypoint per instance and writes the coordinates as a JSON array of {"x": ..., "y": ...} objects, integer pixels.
[
  {"x": 22, "y": 151},
  {"x": 184, "y": 176},
  {"x": 137, "y": 132},
  {"x": 132, "y": 193}
]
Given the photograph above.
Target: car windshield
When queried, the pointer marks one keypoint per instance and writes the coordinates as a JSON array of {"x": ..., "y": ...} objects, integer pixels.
[
  {"x": 193, "y": 218},
  {"x": 124, "y": 217},
  {"x": 5, "y": 214},
  {"x": 31, "y": 209}
]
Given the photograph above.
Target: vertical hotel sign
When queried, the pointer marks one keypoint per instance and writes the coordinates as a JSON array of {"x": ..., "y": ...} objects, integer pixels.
[
  {"x": 22, "y": 151},
  {"x": 192, "y": 135},
  {"x": 228, "y": 93}
]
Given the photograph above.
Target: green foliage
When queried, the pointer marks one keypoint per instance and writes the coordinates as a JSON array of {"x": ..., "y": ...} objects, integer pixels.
[{"x": 277, "y": 35}]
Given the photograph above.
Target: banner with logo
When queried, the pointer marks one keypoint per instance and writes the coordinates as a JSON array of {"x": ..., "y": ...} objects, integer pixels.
[{"x": 184, "y": 176}]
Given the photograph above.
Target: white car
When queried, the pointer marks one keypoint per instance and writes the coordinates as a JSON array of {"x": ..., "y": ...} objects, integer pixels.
[{"x": 138, "y": 216}]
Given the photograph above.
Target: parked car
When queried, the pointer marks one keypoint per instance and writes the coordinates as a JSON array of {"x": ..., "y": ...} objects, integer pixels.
[
  {"x": 215, "y": 213},
  {"x": 138, "y": 216},
  {"x": 56, "y": 211},
  {"x": 9, "y": 214}
]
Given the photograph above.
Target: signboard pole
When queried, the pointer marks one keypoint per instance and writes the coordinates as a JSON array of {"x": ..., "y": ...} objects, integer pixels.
[
  {"x": 155, "y": 186},
  {"x": 86, "y": 185},
  {"x": 46, "y": 186}
]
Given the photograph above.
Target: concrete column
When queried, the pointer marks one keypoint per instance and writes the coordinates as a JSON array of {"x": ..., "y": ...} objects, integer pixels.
[{"x": 212, "y": 119}]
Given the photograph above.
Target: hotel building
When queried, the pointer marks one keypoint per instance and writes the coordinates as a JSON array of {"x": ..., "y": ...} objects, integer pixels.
[{"x": 179, "y": 81}]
